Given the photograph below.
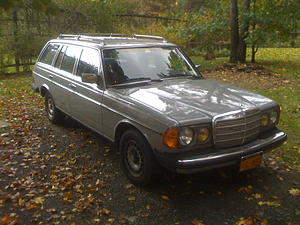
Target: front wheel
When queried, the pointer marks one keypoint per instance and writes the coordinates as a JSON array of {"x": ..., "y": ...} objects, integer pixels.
[
  {"x": 54, "y": 114},
  {"x": 137, "y": 159}
]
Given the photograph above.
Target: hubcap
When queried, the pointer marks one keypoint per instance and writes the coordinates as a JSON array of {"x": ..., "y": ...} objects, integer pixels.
[
  {"x": 50, "y": 107},
  {"x": 134, "y": 158}
]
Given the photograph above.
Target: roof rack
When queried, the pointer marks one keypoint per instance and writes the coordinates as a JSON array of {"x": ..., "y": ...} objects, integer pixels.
[
  {"x": 96, "y": 37},
  {"x": 149, "y": 37}
]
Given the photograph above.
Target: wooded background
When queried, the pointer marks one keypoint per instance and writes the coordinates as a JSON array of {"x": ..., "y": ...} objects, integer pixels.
[{"x": 210, "y": 28}]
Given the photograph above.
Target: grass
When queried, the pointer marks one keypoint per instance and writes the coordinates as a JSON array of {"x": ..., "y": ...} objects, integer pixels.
[
  {"x": 286, "y": 62},
  {"x": 208, "y": 64},
  {"x": 10, "y": 83}
]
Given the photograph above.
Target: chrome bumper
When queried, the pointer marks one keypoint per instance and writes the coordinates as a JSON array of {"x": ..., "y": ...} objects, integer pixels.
[{"x": 229, "y": 156}]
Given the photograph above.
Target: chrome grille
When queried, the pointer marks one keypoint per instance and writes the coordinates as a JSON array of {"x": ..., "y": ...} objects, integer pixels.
[{"x": 236, "y": 128}]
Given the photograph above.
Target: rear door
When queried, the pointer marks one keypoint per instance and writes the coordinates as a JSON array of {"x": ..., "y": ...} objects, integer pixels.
[{"x": 64, "y": 67}]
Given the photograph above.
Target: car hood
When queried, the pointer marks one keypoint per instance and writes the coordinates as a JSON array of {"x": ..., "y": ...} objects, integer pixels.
[{"x": 187, "y": 100}]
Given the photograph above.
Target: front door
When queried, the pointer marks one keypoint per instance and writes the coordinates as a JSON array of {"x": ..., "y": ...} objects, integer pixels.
[{"x": 87, "y": 98}]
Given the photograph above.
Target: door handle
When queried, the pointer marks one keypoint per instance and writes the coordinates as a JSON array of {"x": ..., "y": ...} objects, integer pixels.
[
  {"x": 50, "y": 76},
  {"x": 72, "y": 86}
]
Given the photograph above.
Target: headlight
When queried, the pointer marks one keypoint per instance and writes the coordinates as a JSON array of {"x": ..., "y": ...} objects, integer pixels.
[
  {"x": 269, "y": 118},
  {"x": 203, "y": 135},
  {"x": 273, "y": 117},
  {"x": 264, "y": 121},
  {"x": 186, "y": 136},
  {"x": 175, "y": 138}
]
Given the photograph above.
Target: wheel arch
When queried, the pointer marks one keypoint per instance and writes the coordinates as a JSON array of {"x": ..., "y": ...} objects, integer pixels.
[
  {"x": 124, "y": 125},
  {"x": 44, "y": 88}
]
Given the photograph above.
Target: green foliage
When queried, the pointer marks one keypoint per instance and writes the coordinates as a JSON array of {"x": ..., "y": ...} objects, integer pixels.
[
  {"x": 206, "y": 29},
  {"x": 201, "y": 28},
  {"x": 275, "y": 22}
]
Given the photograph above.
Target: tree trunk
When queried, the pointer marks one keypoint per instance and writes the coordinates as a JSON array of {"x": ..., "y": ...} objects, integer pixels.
[
  {"x": 234, "y": 25},
  {"x": 15, "y": 32},
  {"x": 254, "y": 49},
  {"x": 244, "y": 32}
]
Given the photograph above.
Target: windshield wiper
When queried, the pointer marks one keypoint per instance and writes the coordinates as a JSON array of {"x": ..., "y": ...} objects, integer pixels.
[
  {"x": 184, "y": 76},
  {"x": 142, "y": 79},
  {"x": 136, "y": 81},
  {"x": 157, "y": 80}
]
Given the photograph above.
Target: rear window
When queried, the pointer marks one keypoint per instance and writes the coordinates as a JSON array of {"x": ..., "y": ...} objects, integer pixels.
[
  {"x": 49, "y": 53},
  {"x": 60, "y": 57}
]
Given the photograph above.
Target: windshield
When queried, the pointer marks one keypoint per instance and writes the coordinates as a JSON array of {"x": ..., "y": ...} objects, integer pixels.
[{"x": 139, "y": 64}]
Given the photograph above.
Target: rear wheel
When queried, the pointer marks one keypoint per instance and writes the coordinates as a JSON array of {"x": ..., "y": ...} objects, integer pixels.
[
  {"x": 54, "y": 114},
  {"x": 137, "y": 159}
]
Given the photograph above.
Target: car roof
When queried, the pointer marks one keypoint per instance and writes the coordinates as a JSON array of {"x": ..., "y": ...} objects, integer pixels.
[{"x": 113, "y": 40}]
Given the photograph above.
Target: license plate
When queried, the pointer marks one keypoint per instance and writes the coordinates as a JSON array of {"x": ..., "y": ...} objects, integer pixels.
[{"x": 250, "y": 163}]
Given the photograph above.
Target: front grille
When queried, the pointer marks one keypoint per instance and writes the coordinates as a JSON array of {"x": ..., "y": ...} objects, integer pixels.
[{"x": 237, "y": 128}]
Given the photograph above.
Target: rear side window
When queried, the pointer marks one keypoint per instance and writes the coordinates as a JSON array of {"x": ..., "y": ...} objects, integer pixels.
[
  {"x": 60, "y": 57},
  {"x": 72, "y": 53},
  {"x": 89, "y": 62},
  {"x": 49, "y": 53}
]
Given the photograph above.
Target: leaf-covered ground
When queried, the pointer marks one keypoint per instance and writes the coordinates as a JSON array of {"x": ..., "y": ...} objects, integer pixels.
[{"x": 70, "y": 175}]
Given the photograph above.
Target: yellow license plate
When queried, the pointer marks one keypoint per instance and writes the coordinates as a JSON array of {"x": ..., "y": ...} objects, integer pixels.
[{"x": 250, "y": 163}]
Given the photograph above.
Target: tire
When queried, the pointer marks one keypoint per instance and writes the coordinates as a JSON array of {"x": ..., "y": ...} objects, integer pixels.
[
  {"x": 54, "y": 114},
  {"x": 137, "y": 159}
]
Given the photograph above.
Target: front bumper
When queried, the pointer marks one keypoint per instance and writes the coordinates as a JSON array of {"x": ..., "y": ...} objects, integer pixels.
[{"x": 217, "y": 158}]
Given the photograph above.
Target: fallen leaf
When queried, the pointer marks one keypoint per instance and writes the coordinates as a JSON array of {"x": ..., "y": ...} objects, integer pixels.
[
  {"x": 246, "y": 221},
  {"x": 5, "y": 220},
  {"x": 32, "y": 206},
  {"x": 104, "y": 212},
  {"x": 246, "y": 190},
  {"x": 132, "y": 198},
  {"x": 39, "y": 200},
  {"x": 276, "y": 204},
  {"x": 256, "y": 195},
  {"x": 252, "y": 220},
  {"x": 165, "y": 197},
  {"x": 111, "y": 220},
  {"x": 127, "y": 186},
  {"x": 294, "y": 191},
  {"x": 196, "y": 221}
]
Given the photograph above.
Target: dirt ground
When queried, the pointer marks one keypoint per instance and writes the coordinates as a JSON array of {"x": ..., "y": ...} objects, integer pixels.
[{"x": 68, "y": 174}]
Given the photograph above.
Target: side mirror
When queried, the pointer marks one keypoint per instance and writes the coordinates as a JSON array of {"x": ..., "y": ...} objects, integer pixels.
[
  {"x": 198, "y": 67},
  {"x": 89, "y": 78}
]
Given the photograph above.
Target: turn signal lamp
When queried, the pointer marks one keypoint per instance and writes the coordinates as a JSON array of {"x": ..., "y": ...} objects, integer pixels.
[
  {"x": 264, "y": 121},
  {"x": 170, "y": 138},
  {"x": 203, "y": 135}
]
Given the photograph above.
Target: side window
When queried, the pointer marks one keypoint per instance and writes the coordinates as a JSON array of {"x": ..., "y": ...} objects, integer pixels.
[
  {"x": 49, "y": 53},
  {"x": 89, "y": 62},
  {"x": 72, "y": 53},
  {"x": 60, "y": 56}
]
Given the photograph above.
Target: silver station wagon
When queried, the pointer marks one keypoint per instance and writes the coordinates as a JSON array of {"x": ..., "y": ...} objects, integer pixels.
[{"x": 146, "y": 95}]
